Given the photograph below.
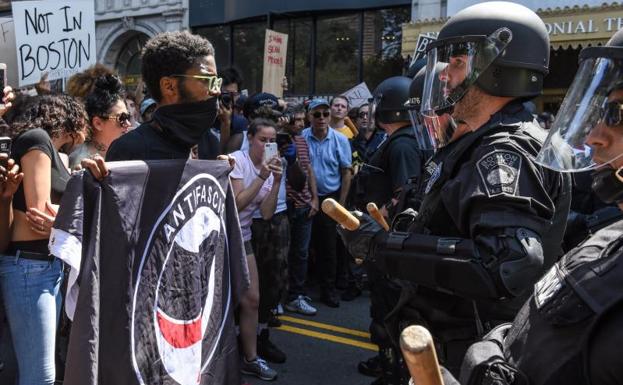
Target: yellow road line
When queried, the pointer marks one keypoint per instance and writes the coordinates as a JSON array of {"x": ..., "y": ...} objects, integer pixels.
[
  {"x": 328, "y": 337},
  {"x": 320, "y": 325}
]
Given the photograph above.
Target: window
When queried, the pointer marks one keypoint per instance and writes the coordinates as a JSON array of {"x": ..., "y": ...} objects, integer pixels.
[
  {"x": 220, "y": 38},
  {"x": 248, "y": 53},
  {"x": 337, "y": 54},
  {"x": 298, "y": 64},
  {"x": 382, "y": 45}
]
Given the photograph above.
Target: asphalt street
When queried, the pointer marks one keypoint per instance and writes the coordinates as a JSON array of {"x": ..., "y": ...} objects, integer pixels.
[{"x": 325, "y": 348}]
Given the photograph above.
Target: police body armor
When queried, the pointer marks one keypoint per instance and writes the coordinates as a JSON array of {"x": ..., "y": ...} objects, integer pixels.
[
  {"x": 373, "y": 183},
  {"x": 548, "y": 340},
  {"x": 455, "y": 321}
]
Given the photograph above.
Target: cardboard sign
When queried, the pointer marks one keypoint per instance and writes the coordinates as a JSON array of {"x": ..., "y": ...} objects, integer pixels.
[
  {"x": 7, "y": 50},
  {"x": 420, "y": 47},
  {"x": 275, "y": 54},
  {"x": 53, "y": 36},
  {"x": 358, "y": 95}
]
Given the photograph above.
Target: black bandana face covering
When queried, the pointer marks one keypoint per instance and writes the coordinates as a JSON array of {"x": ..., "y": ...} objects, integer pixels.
[
  {"x": 187, "y": 122},
  {"x": 608, "y": 184}
]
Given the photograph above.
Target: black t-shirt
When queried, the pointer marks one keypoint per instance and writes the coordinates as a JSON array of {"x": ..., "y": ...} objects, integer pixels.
[
  {"x": 146, "y": 142},
  {"x": 38, "y": 139}
]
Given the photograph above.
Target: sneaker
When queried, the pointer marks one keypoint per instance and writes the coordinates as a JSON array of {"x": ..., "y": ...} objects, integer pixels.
[
  {"x": 301, "y": 305},
  {"x": 279, "y": 309},
  {"x": 258, "y": 368},
  {"x": 330, "y": 299},
  {"x": 268, "y": 350}
]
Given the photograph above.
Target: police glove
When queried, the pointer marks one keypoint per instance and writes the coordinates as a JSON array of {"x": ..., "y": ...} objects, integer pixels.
[{"x": 359, "y": 242}]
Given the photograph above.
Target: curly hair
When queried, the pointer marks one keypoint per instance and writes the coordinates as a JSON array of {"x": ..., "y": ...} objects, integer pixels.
[
  {"x": 171, "y": 53},
  {"x": 55, "y": 114},
  {"x": 81, "y": 84},
  {"x": 107, "y": 91}
]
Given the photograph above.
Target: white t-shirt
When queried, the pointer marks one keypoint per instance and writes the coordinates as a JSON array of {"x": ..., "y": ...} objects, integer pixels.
[{"x": 247, "y": 172}]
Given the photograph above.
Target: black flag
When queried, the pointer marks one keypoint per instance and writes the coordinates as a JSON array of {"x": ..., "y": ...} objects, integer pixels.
[{"x": 158, "y": 266}]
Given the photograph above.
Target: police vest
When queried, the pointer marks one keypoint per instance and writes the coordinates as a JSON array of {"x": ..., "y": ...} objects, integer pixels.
[
  {"x": 549, "y": 336},
  {"x": 373, "y": 183}
]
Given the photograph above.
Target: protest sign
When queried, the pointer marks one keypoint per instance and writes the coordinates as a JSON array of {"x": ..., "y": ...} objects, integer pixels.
[
  {"x": 358, "y": 95},
  {"x": 275, "y": 54},
  {"x": 420, "y": 47},
  {"x": 7, "y": 49},
  {"x": 53, "y": 36}
]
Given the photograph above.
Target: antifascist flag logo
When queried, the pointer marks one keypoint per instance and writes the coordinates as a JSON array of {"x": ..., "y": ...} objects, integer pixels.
[{"x": 182, "y": 292}]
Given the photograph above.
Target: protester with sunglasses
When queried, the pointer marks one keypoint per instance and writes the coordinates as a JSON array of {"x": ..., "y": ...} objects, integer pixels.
[
  {"x": 369, "y": 138},
  {"x": 331, "y": 160},
  {"x": 179, "y": 71},
  {"x": 108, "y": 117}
]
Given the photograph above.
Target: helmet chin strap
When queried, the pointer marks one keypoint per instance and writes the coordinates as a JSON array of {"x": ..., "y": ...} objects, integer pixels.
[{"x": 608, "y": 184}]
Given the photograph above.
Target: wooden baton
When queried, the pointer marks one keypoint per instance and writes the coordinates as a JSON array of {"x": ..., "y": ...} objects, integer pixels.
[
  {"x": 376, "y": 214},
  {"x": 338, "y": 213},
  {"x": 419, "y": 353}
]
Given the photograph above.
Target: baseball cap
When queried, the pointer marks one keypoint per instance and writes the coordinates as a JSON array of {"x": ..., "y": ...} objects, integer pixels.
[
  {"x": 259, "y": 100},
  {"x": 315, "y": 103},
  {"x": 145, "y": 104}
]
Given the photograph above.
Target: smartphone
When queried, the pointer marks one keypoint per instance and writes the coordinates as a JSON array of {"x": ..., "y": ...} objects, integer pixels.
[
  {"x": 5, "y": 145},
  {"x": 283, "y": 139},
  {"x": 2, "y": 82},
  {"x": 270, "y": 151}
]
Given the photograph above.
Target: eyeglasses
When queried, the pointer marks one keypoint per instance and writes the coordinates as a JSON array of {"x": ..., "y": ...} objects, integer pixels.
[
  {"x": 212, "y": 82},
  {"x": 612, "y": 114},
  {"x": 120, "y": 118},
  {"x": 363, "y": 114},
  {"x": 318, "y": 114}
]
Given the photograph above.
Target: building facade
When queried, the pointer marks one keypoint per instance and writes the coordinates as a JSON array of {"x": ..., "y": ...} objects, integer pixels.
[
  {"x": 123, "y": 26},
  {"x": 332, "y": 46},
  {"x": 571, "y": 24}
]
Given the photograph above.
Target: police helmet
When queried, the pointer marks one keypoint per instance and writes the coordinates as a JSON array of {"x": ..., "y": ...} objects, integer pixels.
[
  {"x": 501, "y": 47},
  {"x": 594, "y": 101},
  {"x": 388, "y": 100}
]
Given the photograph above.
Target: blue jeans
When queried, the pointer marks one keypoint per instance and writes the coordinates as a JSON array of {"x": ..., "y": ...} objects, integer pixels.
[
  {"x": 32, "y": 300},
  {"x": 300, "y": 235}
]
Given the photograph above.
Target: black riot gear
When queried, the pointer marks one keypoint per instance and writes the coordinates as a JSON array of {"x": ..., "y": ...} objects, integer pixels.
[
  {"x": 388, "y": 102},
  {"x": 501, "y": 47},
  {"x": 519, "y": 70}
]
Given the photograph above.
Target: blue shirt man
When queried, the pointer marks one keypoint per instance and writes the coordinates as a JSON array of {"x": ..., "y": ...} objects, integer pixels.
[{"x": 331, "y": 160}]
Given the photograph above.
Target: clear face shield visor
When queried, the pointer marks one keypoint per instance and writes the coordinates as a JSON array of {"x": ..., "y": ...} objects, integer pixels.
[
  {"x": 591, "y": 111},
  {"x": 453, "y": 65}
]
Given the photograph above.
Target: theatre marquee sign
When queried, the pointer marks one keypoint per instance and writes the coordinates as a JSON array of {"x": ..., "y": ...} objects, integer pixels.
[{"x": 568, "y": 27}]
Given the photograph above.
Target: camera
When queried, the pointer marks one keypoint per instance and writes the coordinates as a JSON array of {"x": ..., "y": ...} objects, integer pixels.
[{"x": 227, "y": 99}]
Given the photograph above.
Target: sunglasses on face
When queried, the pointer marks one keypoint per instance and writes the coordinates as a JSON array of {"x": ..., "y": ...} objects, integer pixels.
[
  {"x": 120, "y": 118},
  {"x": 318, "y": 114},
  {"x": 612, "y": 114},
  {"x": 212, "y": 82},
  {"x": 363, "y": 115}
]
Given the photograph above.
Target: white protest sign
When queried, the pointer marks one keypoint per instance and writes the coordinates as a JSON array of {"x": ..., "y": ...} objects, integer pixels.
[
  {"x": 420, "y": 47},
  {"x": 358, "y": 95},
  {"x": 275, "y": 54},
  {"x": 53, "y": 36},
  {"x": 7, "y": 50}
]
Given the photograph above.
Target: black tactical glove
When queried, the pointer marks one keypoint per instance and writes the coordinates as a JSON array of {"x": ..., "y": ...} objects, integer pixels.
[{"x": 359, "y": 242}]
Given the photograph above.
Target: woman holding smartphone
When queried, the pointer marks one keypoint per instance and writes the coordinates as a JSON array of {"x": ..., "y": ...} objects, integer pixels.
[
  {"x": 255, "y": 181},
  {"x": 30, "y": 277}
]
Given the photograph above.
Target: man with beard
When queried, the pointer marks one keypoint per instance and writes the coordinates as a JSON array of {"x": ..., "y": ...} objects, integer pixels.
[
  {"x": 179, "y": 71},
  {"x": 569, "y": 331},
  {"x": 491, "y": 221}
]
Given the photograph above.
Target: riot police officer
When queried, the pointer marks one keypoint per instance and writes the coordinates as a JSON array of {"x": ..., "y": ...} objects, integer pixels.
[
  {"x": 398, "y": 157},
  {"x": 396, "y": 160},
  {"x": 491, "y": 220},
  {"x": 569, "y": 331}
]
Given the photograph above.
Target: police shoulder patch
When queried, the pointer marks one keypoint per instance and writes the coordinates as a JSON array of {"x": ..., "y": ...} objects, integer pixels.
[{"x": 499, "y": 172}]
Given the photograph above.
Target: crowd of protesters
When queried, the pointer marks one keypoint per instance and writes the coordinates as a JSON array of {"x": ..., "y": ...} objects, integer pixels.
[
  {"x": 278, "y": 198},
  {"x": 290, "y": 244}
]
